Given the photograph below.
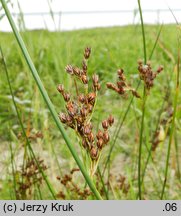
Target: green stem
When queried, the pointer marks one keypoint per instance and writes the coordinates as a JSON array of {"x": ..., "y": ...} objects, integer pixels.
[
  {"x": 143, "y": 107},
  {"x": 143, "y": 31},
  {"x": 169, "y": 144},
  {"x": 48, "y": 101},
  {"x": 140, "y": 146},
  {"x": 103, "y": 184},
  {"x": 13, "y": 171},
  {"x": 177, "y": 157}
]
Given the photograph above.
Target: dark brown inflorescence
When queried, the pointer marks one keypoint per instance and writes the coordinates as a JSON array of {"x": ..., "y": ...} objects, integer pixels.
[
  {"x": 121, "y": 87},
  {"x": 147, "y": 75},
  {"x": 30, "y": 178},
  {"x": 67, "y": 182},
  {"x": 80, "y": 73},
  {"x": 79, "y": 111}
]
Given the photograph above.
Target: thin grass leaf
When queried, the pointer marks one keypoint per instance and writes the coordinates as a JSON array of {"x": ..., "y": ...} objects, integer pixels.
[
  {"x": 143, "y": 107},
  {"x": 21, "y": 20},
  {"x": 156, "y": 41},
  {"x": 51, "y": 13}
]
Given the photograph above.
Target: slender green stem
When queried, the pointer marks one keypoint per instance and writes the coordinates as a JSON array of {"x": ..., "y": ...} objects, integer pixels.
[
  {"x": 48, "y": 101},
  {"x": 177, "y": 156},
  {"x": 13, "y": 171},
  {"x": 143, "y": 107},
  {"x": 156, "y": 41},
  {"x": 169, "y": 144},
  {"x": 143, "y": 31},
  {"x": 140, "y": 145},
  {"x": 103, "y": 184}
]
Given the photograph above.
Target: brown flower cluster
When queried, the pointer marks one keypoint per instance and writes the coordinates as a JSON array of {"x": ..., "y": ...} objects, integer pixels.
[
  {"x": 30, "y": 178},
  {"x": 147, "y": 75},
  {"x": 68, "y": 183},
  {"x": 80, "y": 110},
  {"x": 122, "y": 86},
  {"x": 122, "y": 184},
  {"x": 81, "y": 73}
]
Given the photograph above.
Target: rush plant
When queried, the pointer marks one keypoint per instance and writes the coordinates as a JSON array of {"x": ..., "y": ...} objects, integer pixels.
[{"x": 79, "y": 112}]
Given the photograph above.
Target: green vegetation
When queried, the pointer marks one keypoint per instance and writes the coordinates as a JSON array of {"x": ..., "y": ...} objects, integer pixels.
[{"x": 112, "y": 48}]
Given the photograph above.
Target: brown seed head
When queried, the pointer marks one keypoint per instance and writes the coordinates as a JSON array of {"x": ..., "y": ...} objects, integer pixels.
[
  {"x": 87, "y": 129},
  {"x": 66, "y": 96},
  {"x": 94, "y": 153},
  {"x": 85, "y": 143},
  {"x": 83, "y": 112},
  {"x": 71, "y": 108},
  {"x": 96, "y": 84},
  {"x": 105, "y": 124},
  {"x": 135, "y": 93},
  {"x": 87, "y": 52},
  {"x": 100, "y": 143},
  {"x": 58, "y": 177},
  {"x": 79, "y": 120},
  {"x": 120, "y": 72},
  {"x": 121, "y": 90},
  {"x": 147, "y": 75},
  {"x": 106, "y": 137},
  {"x": 63, "y": 117},
  {"x": 121, "y": 84},
  {"x": 91, "y": 137},
  {"x": 77, "y": 71},
  {"x": 60, "y": 88},
  {"x": 140, "y": 62},
  {"x": 110, "y": 120},
  {"x": 112, "y": 86},
  {"x": 160, "y": 68},
  {"x": 90, "y": 107},
  {"x": 69, "y": 69},
  {"x": 81, "y": 98},
  {"x": 84, "y": 79},
  {"x": 70, "y": 121},
  {"x": 91, "y": 97},
  {"x": 121, "y": 75},
  {"x": 95, "y": 78},
  {"x": 84, "y": 66},
  {"x": 99, "y": 134}
]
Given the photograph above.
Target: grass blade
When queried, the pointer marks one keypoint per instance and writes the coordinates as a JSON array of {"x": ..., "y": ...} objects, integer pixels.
[{"x": 156, "y": 41}]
